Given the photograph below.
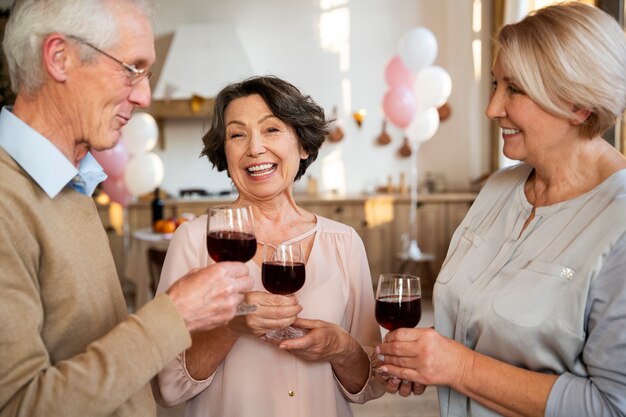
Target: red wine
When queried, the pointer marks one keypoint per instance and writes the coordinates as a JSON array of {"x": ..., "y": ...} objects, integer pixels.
[
  {"x": 283, "y": 277},
  {"x": 393, "y": 312},
  {"x": 224, "y": 245}
]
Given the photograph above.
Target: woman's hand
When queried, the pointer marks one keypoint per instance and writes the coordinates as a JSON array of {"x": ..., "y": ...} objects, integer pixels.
[
  {"x": 323, "y": 342},
  {"x": 272, "y": 312},
  {"x": 393, "y": 384},
  {"x": 330, "y": 343},
  {"x": 423, "y": 356},
  {"x": 404, "y": 387}
]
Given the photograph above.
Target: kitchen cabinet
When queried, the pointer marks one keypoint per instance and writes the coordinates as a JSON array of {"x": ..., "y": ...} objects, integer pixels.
[
  {"x": 380, "y": 221},
  {"x": 437, "y": 217},
  {"x": 370, "y": 217}
]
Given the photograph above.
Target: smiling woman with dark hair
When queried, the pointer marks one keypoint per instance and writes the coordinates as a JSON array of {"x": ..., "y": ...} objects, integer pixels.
[
  {"x": 265, "y": 133},
  {"x": 286, "y": 102}
]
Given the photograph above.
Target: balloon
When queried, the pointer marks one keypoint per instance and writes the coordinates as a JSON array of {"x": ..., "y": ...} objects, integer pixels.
[
  {"x": 117, "y": 191},
  {"x": 140, "y": 134},
  {"x": 143, "y": 173},
  {"x": 423, "y": 126},
  {"x": 113, "y": 160},
  {"x": 396, "y": 73},
  {"x": 399, "y": 105},
  {"x": 418, "y": 49},
  {"x": 433, "y": 87}
]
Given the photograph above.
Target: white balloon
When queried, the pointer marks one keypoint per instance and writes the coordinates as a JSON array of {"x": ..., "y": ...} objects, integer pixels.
[
  {"x": 143, "y": 173},
  {"x": 423, "y": 126},
  {"x": 140, "y": 134},
  {"x": 418, "y": 49},
  {"x": 432, "y": 87}
]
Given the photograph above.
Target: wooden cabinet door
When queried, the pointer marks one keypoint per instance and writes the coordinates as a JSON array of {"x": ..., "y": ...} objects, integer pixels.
[
  {"x": 431, "y": 232},
  {"x": 380, "y": 221},
  {"x": 371, "y": 220}
]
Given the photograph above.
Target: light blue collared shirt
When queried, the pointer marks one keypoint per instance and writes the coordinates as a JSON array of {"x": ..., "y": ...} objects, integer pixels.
[{"x": 46, "y": 165}]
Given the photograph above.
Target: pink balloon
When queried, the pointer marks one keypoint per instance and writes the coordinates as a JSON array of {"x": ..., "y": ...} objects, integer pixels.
[
  {"x": 396, "y": 73},
  {"x": 116, "y": 190},
  {"x": 399, "y": 105},
  {"x": 113, "y": 160}
]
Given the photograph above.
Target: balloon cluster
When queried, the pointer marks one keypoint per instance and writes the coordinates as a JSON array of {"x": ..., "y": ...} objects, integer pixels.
[
  {"x": 132, "y": 168},
  {"x": 416, "y": 87},
  {"x": 416, "y": 90}
]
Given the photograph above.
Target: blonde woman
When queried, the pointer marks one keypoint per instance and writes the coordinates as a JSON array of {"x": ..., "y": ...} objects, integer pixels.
[{"x": 529, "y": 305}]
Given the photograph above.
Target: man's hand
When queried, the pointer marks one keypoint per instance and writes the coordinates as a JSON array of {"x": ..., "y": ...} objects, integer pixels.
[{"x": 207, "y": 298}]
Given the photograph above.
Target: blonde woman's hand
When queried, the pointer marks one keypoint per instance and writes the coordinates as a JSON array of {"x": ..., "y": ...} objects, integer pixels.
[{"x": 423, "y": 356}]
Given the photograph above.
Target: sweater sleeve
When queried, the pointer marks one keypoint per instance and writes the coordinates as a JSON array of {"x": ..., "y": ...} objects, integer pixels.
[
  {"x": 602, "y": 393},
  {"x": 173, "y": 385}
]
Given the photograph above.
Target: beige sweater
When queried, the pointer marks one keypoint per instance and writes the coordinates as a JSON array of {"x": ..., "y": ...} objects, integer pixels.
[{"x": 67, "y": 345}]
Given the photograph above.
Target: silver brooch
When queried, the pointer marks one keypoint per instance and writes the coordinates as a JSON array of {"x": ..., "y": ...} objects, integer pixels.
[{"x": 567, "y": 273}]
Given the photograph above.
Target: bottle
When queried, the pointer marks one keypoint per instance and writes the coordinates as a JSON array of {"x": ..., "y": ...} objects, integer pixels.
[
  {"x": 390, "y": 188},
  {"x": 429, "y": 183},
  {"x": 157, "y": 206},
  {"x": 403, "y": 188},
  {"x": 311, "y": 186},
  {"x": 440, "y": 183}
]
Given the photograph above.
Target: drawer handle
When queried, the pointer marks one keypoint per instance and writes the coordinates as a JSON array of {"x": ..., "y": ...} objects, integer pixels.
[{"x": 339, "y": 210}]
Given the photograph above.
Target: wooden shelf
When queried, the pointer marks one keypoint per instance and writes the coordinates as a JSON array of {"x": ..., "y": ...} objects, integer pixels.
[{"x": 195, "y": 108}]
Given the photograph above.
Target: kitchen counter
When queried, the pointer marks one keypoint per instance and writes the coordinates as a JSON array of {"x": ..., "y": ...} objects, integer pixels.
[{"x": 381, "y": 220}]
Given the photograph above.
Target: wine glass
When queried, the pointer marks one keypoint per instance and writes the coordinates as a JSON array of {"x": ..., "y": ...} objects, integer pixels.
[
  {"x": 283, "y": 273},
  {"x": 230, "y": 237},
  {"x": 398, "y": 301}
]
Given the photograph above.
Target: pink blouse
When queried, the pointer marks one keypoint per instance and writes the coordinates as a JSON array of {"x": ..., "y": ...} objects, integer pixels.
[{"x": 258, "y": 379}]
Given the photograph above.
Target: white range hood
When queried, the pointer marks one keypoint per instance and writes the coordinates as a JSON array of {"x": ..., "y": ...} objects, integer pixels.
[{"x": 201, "y": 60}]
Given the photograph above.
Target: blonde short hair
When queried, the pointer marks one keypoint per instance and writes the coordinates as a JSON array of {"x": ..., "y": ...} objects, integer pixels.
[{"x": 569, "y": 56}]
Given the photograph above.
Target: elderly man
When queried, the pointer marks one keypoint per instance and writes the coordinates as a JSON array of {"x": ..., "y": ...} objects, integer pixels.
[{"x": 67, "y": 344}]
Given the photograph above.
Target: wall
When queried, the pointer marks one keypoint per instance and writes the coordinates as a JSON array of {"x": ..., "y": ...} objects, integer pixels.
[{"x": 281, "y": 37}]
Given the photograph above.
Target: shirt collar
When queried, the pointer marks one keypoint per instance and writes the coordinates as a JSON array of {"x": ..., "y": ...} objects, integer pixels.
[{"x": 46, "y": 165}]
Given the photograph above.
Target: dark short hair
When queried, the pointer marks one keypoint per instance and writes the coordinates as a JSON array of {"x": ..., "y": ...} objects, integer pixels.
[{"x": 285, "y": 101}]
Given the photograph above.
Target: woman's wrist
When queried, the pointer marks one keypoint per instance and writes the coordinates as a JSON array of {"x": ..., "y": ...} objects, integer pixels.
[
  {"x": 235, "y": 328},
  {"x": 351, "y": 365},
  {"x": 347, "y": 348}
]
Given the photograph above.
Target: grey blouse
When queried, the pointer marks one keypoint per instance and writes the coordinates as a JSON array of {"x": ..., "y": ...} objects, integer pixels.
[{"x": 552, "y": 299}]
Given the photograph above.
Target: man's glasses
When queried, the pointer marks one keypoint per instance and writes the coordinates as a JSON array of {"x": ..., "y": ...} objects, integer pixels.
[{"x": 134, "y": 74}]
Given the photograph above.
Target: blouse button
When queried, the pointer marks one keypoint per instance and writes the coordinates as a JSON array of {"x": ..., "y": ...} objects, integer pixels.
[{"x": 291, "y": 393}]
